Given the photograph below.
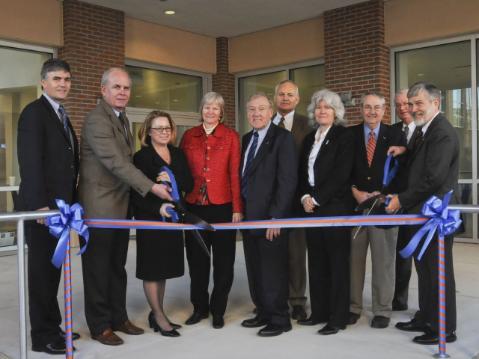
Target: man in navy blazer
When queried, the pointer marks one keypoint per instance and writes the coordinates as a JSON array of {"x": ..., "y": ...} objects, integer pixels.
[
  {"x": 372, "y": 139},
  {"x": 48, "y": 161},
  {"x": 268, "y": 184},
  {"x": 433, "y": 167}
]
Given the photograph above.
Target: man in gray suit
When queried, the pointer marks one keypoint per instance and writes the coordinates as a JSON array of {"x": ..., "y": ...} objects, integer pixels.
[
  {"x": 286, "y": 99},
  {"x": 106, "y": 175}
]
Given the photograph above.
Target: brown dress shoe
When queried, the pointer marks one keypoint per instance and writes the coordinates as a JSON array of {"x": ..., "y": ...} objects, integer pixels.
[
  {"x": 108, "y": 338},
  {"x": 129, "y": 328}
]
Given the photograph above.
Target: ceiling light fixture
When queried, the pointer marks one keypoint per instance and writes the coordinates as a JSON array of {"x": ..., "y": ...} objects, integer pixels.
[{"x": 170, "y": 12}]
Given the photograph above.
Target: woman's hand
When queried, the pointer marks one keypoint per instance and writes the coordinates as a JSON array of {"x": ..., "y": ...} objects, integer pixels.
[
  {"x": 163, "y": 177},
  {"x": 237, "y": 217},
  {"x": 308, "y": 204},
  {"x": 163, "y": 209}
]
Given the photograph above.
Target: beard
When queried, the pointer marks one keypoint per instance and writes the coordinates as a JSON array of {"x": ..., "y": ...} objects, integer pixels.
[{"x": 425, "y": 118}]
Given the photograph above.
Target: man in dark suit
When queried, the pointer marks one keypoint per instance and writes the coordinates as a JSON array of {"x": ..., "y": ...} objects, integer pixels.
[
  {"x": 433, "y": 166},
  {"x": 371, "y": 142},
  {"x": 286, "y": 99},
  {"x": 268, "y": 183},
  {"x": 48, "y": 161},
  {"x": 403, "y": 265},
  {"x": 106, "y": 175}
]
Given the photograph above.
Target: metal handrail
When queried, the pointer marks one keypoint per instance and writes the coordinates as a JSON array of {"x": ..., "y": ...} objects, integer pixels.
[{"x": 21, "y": 217}]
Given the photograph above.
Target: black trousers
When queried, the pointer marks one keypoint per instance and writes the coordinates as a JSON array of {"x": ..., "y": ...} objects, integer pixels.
[
  {"x": 43, "y": 281},
  {"x": 104, "y": 278},
  {"x": 428, "y": 286},
  {"x": 329, "y": 274},
  {"x": 403, "y": 270},
  {"x": 267, "y": 271},
  {"x": 222, "y": 246}
]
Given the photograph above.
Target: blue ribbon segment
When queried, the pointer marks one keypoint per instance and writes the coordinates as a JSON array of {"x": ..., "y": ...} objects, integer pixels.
[
  {"x": 441, "y": 219},
  {"x": 70, "y": 218},
  {"x": 389, "y": 173}
]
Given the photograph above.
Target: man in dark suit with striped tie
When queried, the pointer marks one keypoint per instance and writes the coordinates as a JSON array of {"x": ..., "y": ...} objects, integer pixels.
[
  {"x": 48, "y": 161},
  {"x": 268, "y": 183}
]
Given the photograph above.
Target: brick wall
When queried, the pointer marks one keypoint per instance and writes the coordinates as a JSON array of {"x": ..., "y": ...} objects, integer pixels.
[
  {"x": 224, "y": 82},
  {"x": 93, "y": 41},
  {"x": 356, "y": 58}
]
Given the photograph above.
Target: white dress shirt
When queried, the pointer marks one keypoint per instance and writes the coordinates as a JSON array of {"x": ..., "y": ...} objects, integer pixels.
[{"x": 288, "y": 120}]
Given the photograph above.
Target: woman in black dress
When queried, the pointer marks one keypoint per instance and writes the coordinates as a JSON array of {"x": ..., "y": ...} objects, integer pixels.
[{"x": 159, "y": 252}]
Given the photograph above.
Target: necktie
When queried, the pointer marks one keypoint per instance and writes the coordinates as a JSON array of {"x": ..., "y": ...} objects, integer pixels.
[
  {"x": 249, "y": 160},
  {"x": 281, "y": 122},
  {"x": 64, "y": 119},
  {"x": 405, "y": 129},
  {"x": 124, "y": 124},
  {"x": 371, "y": 147},
  {"x": 418, "y": 138}
]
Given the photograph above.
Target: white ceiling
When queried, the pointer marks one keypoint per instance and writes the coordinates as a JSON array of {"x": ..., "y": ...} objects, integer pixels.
[{"x": 226, "y": 18}]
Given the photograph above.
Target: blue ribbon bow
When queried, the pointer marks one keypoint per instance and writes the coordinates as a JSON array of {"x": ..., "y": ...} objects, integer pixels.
[
  {"x": 59, "y": 225},
  {"x": 441, "y": 218}
]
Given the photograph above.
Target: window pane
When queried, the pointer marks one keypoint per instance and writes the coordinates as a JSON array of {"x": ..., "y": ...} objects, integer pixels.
[
  {"x": 465, "y": 197},
  {"x": 309, "y": 79},
  {"x": 449, "y": 68},
  {"x": 19, "y": 85},
  {"x": 165, "y": 90},
  {"x": 252, "y": 84}
]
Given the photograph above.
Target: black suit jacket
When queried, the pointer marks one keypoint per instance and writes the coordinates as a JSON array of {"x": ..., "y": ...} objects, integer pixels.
[
  {"x": 332, "y": 171},
  {"x": 48, "y": 163},
  {"x": 367, "y": 178},
  {"x": 433, "y": 165},
  {"x": 272, "y": 176}
]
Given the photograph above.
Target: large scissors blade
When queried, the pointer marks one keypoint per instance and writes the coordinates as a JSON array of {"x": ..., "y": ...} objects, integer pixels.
[
  {"x": 200, "y": 241},
  {"x": 373, "y": 205}
]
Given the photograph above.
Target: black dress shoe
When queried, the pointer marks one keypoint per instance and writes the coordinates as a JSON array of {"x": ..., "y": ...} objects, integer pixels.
[
  {"x": 309, "y": 321},
  {"x": 151, "y": 321},
  {"x": 380, "y": 322},
  {"x": 196, "y": 317},
  {"x": 411, "y": 326},
  {"x": 433, "y": 339},
  {"x": 55, "y": 347},
  {"x": 328, "y": 330},
  {"x": 272, "y": 330},
  {"x": 75, "y": 336},
  {"x": 255, "y": 322},
  {"x": 353, "y": 318},
  {"x": 218, "y": 321},
  {"x": 156, "y": 327},
  {"x": 298, "y": 312}
]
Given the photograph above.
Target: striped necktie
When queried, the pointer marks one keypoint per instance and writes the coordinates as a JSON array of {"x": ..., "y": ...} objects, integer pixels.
[
  {"x": 249, "y": 160},
  {"x": 371, "y": 147}
]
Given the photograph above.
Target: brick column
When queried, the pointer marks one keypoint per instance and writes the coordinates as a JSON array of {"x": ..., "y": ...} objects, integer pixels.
[
  {"x": 224, "y": 82},
  {"x": 356, "y": 58},
  {"x": 93, "y": 38}
]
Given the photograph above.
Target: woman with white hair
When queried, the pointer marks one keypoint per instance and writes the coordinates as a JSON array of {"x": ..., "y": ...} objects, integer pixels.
[{"x": 325, "y": 168}]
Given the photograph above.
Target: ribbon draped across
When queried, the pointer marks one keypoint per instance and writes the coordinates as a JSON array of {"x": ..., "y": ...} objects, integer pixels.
[
  {"x": 442, "y": 219},
  {"x": 70, "y": 218}
]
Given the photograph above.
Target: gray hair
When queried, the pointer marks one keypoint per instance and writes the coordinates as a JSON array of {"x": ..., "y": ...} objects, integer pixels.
[
  {"x": 53, "y": 65},
  {"x": 380, "y": 97},
  {"x": 260, "y": 95},
  {"x": 400, "y": 92},
  {"x": 286, "y": 82},
  {"x": 432, "y": 90},
  {"x": 213, "y": 97},
  {"x": 333, "y": 100},
  {"x": 106, "y": 75}
]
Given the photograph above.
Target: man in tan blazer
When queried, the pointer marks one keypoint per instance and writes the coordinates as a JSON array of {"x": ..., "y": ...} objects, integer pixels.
[
  {"x": 106, "y": 175},
  {"x": 286, "y": 98}
]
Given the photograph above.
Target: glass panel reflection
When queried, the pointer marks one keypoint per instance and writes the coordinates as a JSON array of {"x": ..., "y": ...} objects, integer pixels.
[
  {"x": 165, "y": 90},
  {"x": 309, "y": 80},
  {"x": 465, "y": 197}
]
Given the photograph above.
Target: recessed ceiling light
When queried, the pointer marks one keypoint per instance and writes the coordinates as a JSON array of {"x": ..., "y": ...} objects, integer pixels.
[{"x": 170, "y": 12}]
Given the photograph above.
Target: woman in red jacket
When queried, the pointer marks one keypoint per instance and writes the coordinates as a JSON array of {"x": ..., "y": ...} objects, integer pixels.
[{"x": 213, "y": 154}]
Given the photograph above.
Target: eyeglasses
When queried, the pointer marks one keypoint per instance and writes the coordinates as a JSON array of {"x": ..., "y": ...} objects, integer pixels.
[{"x": 161, "y": 129}]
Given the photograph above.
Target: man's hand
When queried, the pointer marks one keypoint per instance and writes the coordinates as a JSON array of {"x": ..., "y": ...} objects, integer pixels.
[
  {"x": 308, "y": 204},
  {"x": 272, "y": 233},
  {"x": 394, "y": 204},
  {"x": 162, "y": 191},
  {"x": 237, "y": 217},
  {"x": 361, "y": 196},
  {"x": 42, "y": 220},
  {"x": 163, "y": 209},
  {"x": 396, "y": 150}
]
